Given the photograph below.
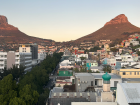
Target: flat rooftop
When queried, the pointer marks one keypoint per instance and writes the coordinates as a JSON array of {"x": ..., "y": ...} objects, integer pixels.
[{"x": 97, "y": 75}]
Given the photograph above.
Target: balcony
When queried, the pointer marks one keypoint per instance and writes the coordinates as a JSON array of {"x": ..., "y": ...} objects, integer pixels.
[
  {"x": 30, "y": 64},
  {"x": 17, "y": 57},
  {"x": 17, "y": 62},
  {"x": 27, "y": 61}
]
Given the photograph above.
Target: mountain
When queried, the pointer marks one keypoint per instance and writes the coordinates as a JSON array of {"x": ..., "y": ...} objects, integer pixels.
[
  {"x": 11, "y": 34},
  {"x": 117, "y": 28}
]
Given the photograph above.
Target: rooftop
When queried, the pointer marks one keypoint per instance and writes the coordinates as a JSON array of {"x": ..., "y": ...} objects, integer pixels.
[
  {"x": 97, "y": 75},
  {"x": 94, "y": 103},
  {"x": 131, "y": 91}
]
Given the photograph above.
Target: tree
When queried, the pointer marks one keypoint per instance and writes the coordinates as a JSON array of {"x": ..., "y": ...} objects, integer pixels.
[
  {"x": 138, "y": 52},
  {"x": 59, "y": 85},
  {"x": 17, "y": 101},
  {"x": 102, "y": 46},
  {"x": 7, "y": 89},
  {"x": 114, "y": 49},
  {"x": 131, "y": 44},
  {"x": 43, "y": 97},
  {"x": 28, "y": 95},
  {"x": 83, "y": 58},
  {"x": 107, "y": 68},
  {"x": 89, "y": 71}
]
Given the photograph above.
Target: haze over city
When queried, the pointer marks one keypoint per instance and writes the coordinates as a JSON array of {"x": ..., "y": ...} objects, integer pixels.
[{"x": 66, "y": 20}]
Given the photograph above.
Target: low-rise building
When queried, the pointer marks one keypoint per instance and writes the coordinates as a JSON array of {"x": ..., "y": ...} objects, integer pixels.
[
  {"x": 128, "y": 94},
  {"x": 83, "y": 81},
  {"x": 127, "y": 72}
]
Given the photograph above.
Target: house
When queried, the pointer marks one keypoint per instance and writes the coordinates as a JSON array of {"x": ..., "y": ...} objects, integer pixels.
[
  {"x": 134, "y": 42},
  {"x": 82, "y": 55},
  {"x": 127, "y": 44},
  {"x": 65, "y": 64},
  {"x": 90, "y": 63}
]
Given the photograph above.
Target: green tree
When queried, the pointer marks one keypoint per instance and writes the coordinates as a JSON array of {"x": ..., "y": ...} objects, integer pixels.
[
  {"x": 114, "y": 49},
  {"x": 138, "y": 52},
  {"x": 83, "y": 58},
  {"x": 131, "y": 45},
  {"x": 7, "y": 89},
  {"x": 43, "y": 97},
  {"x": 107, "y": 68},
  {"x": 17, "y": 101},
  {"x": 28, "y": 95},
  {"x": 89, "y": 71},
  {"x": 102, "y": 46}
]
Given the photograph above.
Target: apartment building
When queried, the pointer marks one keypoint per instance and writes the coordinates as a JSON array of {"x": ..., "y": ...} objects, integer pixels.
[
  {"x": 17, "y": 58},
  {"x": 8, "y": 59},
  {"x": 3, "y": 60},
  {"x": 30, "y": 48}
]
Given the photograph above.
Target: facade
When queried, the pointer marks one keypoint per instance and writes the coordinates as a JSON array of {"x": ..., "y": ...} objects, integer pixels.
[
  {"x": 127, "y": 58},
  {"x": 8, "y": 59},
  {"x": 3, "y": 60},
  {"x": 29, "y": 48},
  {"x": 134, "y": 42},
  {"x": 127, "y": 73},
  {"x": 82, "y": 55},
  {"x": 16, "y": 58},
  {"x": 85, "y": 80},
  {"x": 111, "y": 62},
  {"x": 41, "y": 56},
  {"x": 91, "y": 63},
  {"x": 65, "y": 64}
]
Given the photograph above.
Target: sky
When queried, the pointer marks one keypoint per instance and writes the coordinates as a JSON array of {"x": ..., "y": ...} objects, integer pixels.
[{"x": 65, "y": 20}]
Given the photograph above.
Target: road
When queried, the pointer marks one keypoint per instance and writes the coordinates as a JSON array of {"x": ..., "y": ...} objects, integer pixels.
[{"x": 52, "y": 78}]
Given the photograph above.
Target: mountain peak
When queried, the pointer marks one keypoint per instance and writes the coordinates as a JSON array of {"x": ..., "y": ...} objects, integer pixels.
[
  {"x": 3, "y": 20},
  {"x": 118, "y": 20},
  {"x": 4, "y": 24}
]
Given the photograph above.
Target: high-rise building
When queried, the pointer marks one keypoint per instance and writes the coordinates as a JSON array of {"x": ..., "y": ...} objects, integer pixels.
[{"x": 29, "y": 48}]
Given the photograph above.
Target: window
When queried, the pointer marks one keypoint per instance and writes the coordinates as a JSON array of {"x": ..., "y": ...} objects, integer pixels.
[
  {"x": 134, "y": 73},
  {"x": 137, "y": 73},
  {"x": 130, "y": 73},
  {"x": 95, "y": 82},
  {"x": 123, "y": 73},
  {"x": 91, "y": 83}
]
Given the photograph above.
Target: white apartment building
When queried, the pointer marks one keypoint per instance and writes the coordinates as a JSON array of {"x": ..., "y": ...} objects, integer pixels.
[
  {"x": 17, "y": 58},
  {"x": 127, "y": 58},
  {"x": 3, "y": 60},
  {"x": 111, "y": 61},
  {"x": 82, "y": 55},
  {"x": 134, "y": 42},
  {"x": 41, "y": 56}
]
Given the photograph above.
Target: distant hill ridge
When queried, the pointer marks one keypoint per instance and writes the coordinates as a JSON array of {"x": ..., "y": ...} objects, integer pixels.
[
  {"x": 112, "y": 30},
  {"x": 11, "y": 34}
]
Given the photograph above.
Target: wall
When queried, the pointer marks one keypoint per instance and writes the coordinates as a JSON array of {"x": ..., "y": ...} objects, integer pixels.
[
  {"x": 121, "y": 99},
  {"x": 129, "y": 73},
  {"x": 10, "y": 59},
  {"x": 84, "y": 85}
]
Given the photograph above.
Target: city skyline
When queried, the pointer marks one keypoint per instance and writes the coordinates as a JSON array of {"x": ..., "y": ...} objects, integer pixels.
[{"x": 66, "y": 20}]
